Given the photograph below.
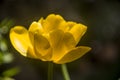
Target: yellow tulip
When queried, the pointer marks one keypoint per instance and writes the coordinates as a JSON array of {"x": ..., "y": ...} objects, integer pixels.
[{"x": 50, "y": 39}]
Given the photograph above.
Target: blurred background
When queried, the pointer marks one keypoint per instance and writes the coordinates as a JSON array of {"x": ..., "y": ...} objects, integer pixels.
[{"x": 102, "y": 18}]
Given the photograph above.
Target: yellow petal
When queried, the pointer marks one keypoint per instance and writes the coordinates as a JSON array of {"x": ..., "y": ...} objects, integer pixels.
[
  {"x": 78, "y": 31},
  {"x": 42, "y": 47},
  {"x": 41, "y": 21},
  {"x": 20, "y": 39},
  {"x": 56, "y": 38},
  {"x": 34, "y": 27},
  {"x": 69, "y": 40},
  {"x": 73, "y": 54},
  {"x": 56, "y": 41},
  {"x": 70, "y": 24},
  {"x": 52, "y": 22}
]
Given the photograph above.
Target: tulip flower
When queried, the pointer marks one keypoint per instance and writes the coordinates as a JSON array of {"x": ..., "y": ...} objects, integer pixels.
[{"x": 51, "y": 39}]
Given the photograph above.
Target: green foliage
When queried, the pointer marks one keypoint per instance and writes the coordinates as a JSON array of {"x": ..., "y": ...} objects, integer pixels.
[
  {"x": 5, "y": 26},
  {"x": 6, "y": 78},
  {"x": 1, "y": 58},
  {"x": 6, "y": 56},
  {"x": 3, "y": 45},
  {"x": 11, "y": 72}
]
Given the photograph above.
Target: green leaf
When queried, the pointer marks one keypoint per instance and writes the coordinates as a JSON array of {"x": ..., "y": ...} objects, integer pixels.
[
  {"x": 11, "y": 72},
  {"x": 3, "y": 45},
  {"x": 1, "y": 58},
  {"x": 5, "y": 25},
  {"x": 7, "y": 57},
  {"x": 6, "y": 78}
]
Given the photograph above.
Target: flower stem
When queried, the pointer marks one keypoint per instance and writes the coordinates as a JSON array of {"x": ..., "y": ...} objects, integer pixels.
[
  {"x": 65, "y": 72},
  {"x": 50, "y": 71}
]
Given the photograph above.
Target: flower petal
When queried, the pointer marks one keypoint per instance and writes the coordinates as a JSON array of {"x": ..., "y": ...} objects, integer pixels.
[
  {"x": 73, "y": 54},
  {"x": 70, "y": 24},
  {"x": 20, "y": 39},
  {"x": 56, "y": 41},
  {"x": 56, "y": 38},
  {"x": 41, "y": 21},
  {"x": 52, "y": 22},
  {"x": 78, "y": 31},
  {"x": 69, "y": 40},
  {"x": 42, "y": 47},
  {"x": 34, "y": 27}
]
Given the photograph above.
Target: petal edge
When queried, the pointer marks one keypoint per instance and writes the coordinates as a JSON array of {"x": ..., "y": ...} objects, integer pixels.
[{"x": 73, "y": 54}]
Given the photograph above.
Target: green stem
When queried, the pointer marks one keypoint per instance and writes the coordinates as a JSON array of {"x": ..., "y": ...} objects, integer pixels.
[
  {"x": 50, "y": 71},
  {"x": 65, "y": 72}
]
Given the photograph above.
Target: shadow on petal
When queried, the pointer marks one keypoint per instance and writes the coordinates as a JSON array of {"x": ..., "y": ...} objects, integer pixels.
[{"x": 42, "y": 47}]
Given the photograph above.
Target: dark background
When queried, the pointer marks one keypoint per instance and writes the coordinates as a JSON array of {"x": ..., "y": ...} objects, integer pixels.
[{"x": 103, "y": 20}]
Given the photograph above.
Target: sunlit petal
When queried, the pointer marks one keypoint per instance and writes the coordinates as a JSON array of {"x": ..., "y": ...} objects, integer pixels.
[
  {"x": 78, "y": 31},
  {"x": 70, "y": 24},
  {"x": 56, "y": 41},
  {"x": 73, "y": 54},
  {"x": 34, "y": 27},
  {"x": 52, "y": 22},
  {"x": 42, "y": 47},
  {"x": 20, "y": 39},
  {"x": 69, "y": 40},
  {"x": 41, "y": 21}
]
